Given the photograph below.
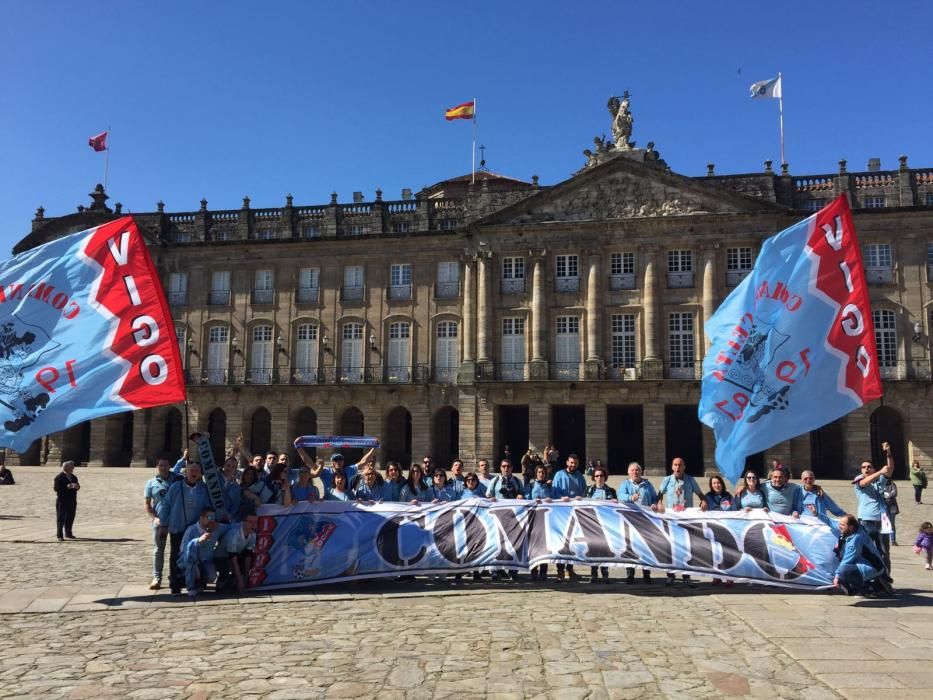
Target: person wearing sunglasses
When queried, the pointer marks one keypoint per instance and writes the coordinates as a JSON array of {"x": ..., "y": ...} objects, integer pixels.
[
  {"x": 748, "y": 494},
  {"x": 471, "y": 487},
  {"x": 196, "y": 558},
  {"x": 817, "y": 501},
  {"x": 600, "y": 490}
]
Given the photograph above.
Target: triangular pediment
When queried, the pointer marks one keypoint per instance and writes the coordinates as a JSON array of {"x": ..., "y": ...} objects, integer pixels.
[{"x": 624, "y": 188}]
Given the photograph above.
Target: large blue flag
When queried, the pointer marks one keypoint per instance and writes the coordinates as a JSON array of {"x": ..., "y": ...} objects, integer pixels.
[
  {"x": 84, "y": 332},
  {"x": 793, "y": 346}
]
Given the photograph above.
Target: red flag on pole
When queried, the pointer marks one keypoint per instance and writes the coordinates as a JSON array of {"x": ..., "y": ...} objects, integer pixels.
[{"x": 99, "y": 142}]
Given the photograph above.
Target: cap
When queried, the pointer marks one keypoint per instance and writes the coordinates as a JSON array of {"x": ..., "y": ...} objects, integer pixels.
[{"x": 336, "y": 456}]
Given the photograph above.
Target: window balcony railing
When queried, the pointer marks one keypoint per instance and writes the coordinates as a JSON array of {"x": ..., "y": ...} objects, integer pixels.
[
  {"x": 446, "y": 290},
  {"x": 259, "y": 375},
  {"x": 218, "y": 297},
  {"x": 513, "y": 286},
  {"x": 567, "y": 284},
  {"x": 351, "y": 293},
  {"x": 734, "y": 277},
  {"x": 177, "y": 298},
  {"x": 879, "y": 275},
  {"x": 684, "y": 370},
  {"x": 565, "y": 371},
  {"x": 214, "y": 376},
  {"x": 400, "y": 292},
  {"x": 625, "y": 280},
  {"x": 262, "y": 296},
  {"x": 679, "y": 280},
  {"x": 306, "y": 375},
  {"x": 307, "y": 295},
  {"x": 906, "y": 370},
  {"x": 512, "y": 371},
  {"x": 446, "y": 375}
]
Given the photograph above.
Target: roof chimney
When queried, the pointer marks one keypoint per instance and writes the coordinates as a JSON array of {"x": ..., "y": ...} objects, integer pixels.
[
  {"x": 406, "y": 194},
  {"x": 874, "y": 165},
  {"x": 357, "y": 197}
]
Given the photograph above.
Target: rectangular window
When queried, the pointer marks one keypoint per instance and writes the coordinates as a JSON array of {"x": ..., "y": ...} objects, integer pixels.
[
  {"x": 623, "y": 345},
  {"x": 446, "y": 352},
  {"x": 679, "y": 268},
  {"x": 886, "y": 340},
  {"x": 567, "y": 274},
  {"x": 178, "y": 288},
  {"x": 874, "y": 201},
  {"x": 182, "y": 237},
  {"x": 877, "y": 260},
  {"x": 567, "y": 348},
  {"x": 681, "y": 343},
  {"x": 265, "y": 234},
  {"x": 738, "y": 264},
  {"x": 622, "y": 271},
  {"x": 446, "y": 224},
  {"x": 310, "y": 231},
  {"x": 512, "y": 360},
  {"x": 357, "y": 229},
  {"x": 221, "y": 234},
  {"x": 930, "y": 262},
  {"x": 401, "y": 227},
  {"x": 816, "y": 204},
  {"x": 400, "y": 281},
  {"x": 308, "y": 285},
  {"x": 220, "y": 288},
  {"x": 306, "y": 354},
  {"x": 263, "y": 287},
  {"x": 351, "y": 353},
  {"x": 929, "y": 199},
  {"x": 352, "y": 283},
  {"x": 448, "y": 280},
  {"x": 217, "y": 355},
  {"x": 398, "y": 354},
  {"x": 513, "y": 275}
]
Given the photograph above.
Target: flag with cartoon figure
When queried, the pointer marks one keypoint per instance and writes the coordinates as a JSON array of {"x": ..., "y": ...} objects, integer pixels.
[
  {"x": 793, "y": 346},
  {"x": 85, "y": 331}
]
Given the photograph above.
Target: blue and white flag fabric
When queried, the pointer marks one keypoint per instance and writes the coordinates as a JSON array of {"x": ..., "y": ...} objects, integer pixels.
[
  {"x": 343, "y": 442},
  {"x": 331, "y": 542},
  {"x": 766, "y": 88},
  {"x": 85, "y": 331},
  {"x": 793, "y": 346}
]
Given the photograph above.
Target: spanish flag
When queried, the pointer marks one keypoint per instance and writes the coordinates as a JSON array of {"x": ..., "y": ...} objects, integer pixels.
[{"x": 464, "y": 111}]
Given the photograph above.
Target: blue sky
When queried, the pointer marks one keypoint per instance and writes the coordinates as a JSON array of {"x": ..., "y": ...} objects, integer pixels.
[{"x": 226, "y": 99}]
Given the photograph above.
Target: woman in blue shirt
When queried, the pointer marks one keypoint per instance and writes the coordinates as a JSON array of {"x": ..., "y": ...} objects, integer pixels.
[
  {"x": 340, "y": 490},
  {"x": 748, "y": 496},
  {"x": 303, "y": 489},
  {"x": 539, "y": 488},
  {"x": 369, "y": 488},
  {"x": 394, "y": 482},
  {"x": 472, "y": 488},
  {"x": 414, "y": 490},
  {"x": 717, "y": 498}
]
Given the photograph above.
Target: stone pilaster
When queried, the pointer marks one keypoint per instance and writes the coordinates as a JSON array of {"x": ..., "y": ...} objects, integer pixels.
[
  {"x": 467, "y": 408},
  {"x": 597, "y": 446},
  {"x": 858, "y": 438},
  {"x": 485, "y": 419},
  {"x": 468, "y": 368},
  {"x": 655, "y": 453},
  {"x": 142, "y": 431},
  {"x": 539, "y": 368},
  {"x": 539, "y": 425},
  {"x": 55, "y": 443},
  {"x": 709, "y": 290},
  {"x": 280, "y": 438},
  {"x": 652, "y": 313},
  {"x": 420, "y": 433},
  {"x": 99, "y": 444},
  {"x": 482, "y": 311},
  {"x": 593, "y": 322}
]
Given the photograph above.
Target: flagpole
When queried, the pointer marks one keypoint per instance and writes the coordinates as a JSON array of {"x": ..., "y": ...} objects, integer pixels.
[
  {"x": 781, "y": 115},
  {"x": 473, "y": 177},
  {"x": 107, "y": 158}
]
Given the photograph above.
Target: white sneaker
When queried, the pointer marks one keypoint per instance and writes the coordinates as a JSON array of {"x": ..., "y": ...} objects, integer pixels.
[
  {"x": 928, "y": 567},
  {"x": 155, "y": 585}
]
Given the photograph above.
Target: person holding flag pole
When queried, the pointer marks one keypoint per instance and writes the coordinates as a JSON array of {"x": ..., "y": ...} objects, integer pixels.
[
  {"x": 773, "y": 89},
  {"x": 467, "y": 110}
]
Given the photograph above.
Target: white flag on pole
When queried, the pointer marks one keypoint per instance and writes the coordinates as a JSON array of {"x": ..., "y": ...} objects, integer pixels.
[{"x": 766, "y": 88}]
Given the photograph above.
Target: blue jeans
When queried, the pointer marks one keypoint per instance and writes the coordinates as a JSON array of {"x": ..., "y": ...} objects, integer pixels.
[
  {"x": 159, "y": 537},
  {"x": 882, "y": 542},
  {"x": 199, "y": 576}
]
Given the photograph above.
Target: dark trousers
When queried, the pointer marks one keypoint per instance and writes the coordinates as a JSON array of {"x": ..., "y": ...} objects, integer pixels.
[
  {"x": 65, "y": 511},
  {"x": 882, "y": 542},
  {"x": 918, "y": 492},
  {"x": 176, "y": 579}
]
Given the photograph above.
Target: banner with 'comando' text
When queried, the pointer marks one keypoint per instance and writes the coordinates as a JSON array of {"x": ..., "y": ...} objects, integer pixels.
[{"x": 313, "y": 543}]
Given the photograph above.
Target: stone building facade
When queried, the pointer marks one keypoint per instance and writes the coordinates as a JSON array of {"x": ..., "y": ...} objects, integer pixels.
[{"x": 471, "y": 319}]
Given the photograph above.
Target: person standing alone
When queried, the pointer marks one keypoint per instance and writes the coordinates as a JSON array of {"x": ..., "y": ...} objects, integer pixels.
[{"x": 66, "y": 488}]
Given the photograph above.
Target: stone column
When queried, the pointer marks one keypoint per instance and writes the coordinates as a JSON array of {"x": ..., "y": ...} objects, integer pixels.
[
  {"x": 99, "y": 445},
  {"x": 483, "y": 356},
  {"x": 539, "y": 368},
  {"x": 56, "y": 441},
  {"x": 653, "y": 431},
  {"x": 421, "y": 433},
  {"x": 651, "y": 300},
  {"x": 142, "y": 429},
  {"x": 467, "y": 372},
  {"x": 597, "y": 444},
  {"x": 539, "y": 425},
  {"x": 466, "y": 406},
  {"x": 593, "y": 349},
  {"x": 709, "y": 289}
]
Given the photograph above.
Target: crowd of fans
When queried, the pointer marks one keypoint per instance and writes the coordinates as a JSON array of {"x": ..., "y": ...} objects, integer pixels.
[{"x": 202, "y": 549}]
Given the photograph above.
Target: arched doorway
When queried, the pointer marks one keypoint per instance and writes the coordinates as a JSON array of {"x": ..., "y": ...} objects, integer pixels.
[
  {"x": 171, "y": 438},
  {"x": 260, "y": 432},
  {"x": 888, "y": 426},
  {"x": 351, "y": 423},
  {"x": 828, "y": 451},
  {"x": 396, "y": 441},
  {"x": 217, "y": 429},
  {"x": 31, "y": 457},
  {"x": 445, "y": 437},
  {"x": 306, "y": 424}
]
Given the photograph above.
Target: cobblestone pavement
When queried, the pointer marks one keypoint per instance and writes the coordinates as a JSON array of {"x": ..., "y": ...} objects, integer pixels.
[{"x": 78, "y": 621}]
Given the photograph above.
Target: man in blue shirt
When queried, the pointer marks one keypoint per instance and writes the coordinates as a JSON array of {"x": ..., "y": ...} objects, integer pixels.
[
  {"x": 639, "y": 491},
  {"x": 869, "y": 492},
  {"x": 676, "y": 492},
  {"x": 154, "y": 494},
  {"x": 326, "y": 474},
  {"x": 185, "y": 500},
  {"x": 197, "y": 551},
  {"x": 860, "y": 563},
  {"x": 782, "y": 497},
  {"x": 568, "y": 483}
]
